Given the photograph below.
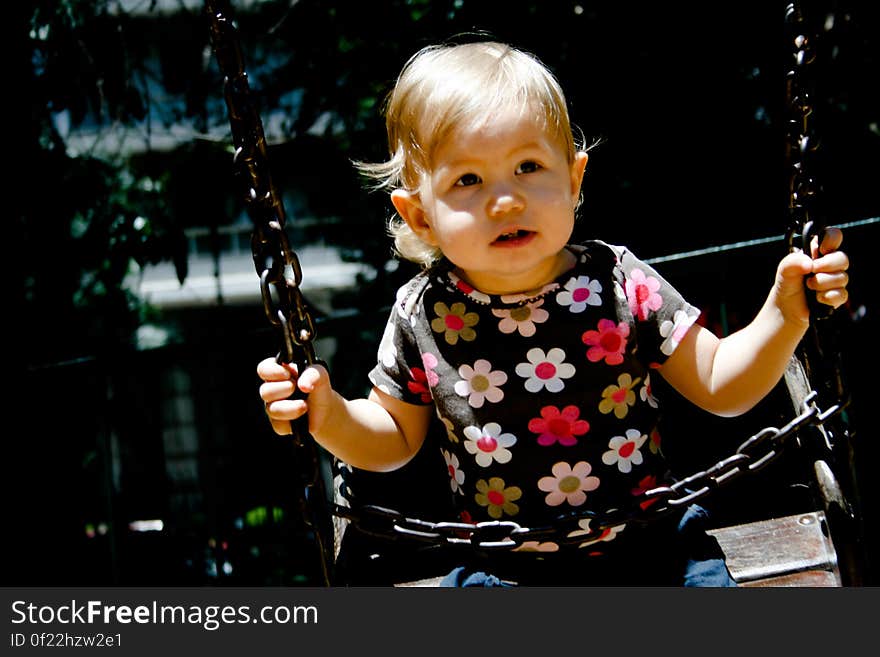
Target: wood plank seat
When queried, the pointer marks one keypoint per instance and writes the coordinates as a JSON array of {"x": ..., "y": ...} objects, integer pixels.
[{"x": 791, "y": 551}]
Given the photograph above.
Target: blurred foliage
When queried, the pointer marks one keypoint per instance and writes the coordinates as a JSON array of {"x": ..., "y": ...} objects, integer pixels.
[{"x": 96, "y": 216}]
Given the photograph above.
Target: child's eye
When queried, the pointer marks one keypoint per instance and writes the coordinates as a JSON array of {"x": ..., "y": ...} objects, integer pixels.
[
  {"x": 467, "y": 180},
  {"x": 529, "y": 166}
]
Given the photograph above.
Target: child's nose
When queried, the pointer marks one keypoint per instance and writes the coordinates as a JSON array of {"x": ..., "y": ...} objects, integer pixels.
[{"x": 504, "y": 201}]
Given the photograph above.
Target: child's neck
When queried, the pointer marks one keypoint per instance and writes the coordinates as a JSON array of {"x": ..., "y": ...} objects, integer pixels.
[{"x": 564, "y": 261}]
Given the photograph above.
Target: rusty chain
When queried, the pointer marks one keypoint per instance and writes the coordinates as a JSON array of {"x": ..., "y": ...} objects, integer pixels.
[
  {"x": 806, "y": 219},
  {"x": 276, "y": 262},
  {"x": 752, "y": 455},
  {"x": 802, "y": 141},
  {"x": 808, "y": 30}
]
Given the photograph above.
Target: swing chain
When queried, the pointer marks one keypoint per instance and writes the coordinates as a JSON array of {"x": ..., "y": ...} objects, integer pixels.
[
  {"x": 821, "y": 351},
  {"x": 754, "y": 454},
  {"x": 802, "y": 141},
  {"x": 277, "y": 264}
]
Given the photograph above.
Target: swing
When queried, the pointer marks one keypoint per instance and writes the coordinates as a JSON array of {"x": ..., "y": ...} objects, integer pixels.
[{"x": 365, "y": 537}]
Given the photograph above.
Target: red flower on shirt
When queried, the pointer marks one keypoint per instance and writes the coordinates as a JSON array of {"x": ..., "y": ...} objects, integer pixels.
[
  {"x": 563, "y": 426},
  {"x": 608, "y": 342}
]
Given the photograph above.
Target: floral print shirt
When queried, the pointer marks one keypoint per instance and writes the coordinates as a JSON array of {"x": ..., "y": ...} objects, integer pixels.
[{"x": 546, "y": 399}]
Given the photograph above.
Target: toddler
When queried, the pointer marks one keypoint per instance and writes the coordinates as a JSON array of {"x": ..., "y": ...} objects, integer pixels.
[{"x": 537, "y": 354}]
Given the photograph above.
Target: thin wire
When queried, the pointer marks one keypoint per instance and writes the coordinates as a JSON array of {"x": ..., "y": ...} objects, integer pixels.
[{"x": 748, "y": 243}]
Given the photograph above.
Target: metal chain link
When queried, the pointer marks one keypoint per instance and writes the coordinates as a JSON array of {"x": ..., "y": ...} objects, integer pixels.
[
  {"x": 808, "y": 31},
  {"x": 820, "y": 350},
  {"x": 754, "y": 454},
  {"x": 802, "y": 141},
  {"x": 276, "y": 262}
]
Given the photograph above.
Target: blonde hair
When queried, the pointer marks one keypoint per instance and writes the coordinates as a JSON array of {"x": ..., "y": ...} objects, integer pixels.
[{"x": 443, "y": 87}]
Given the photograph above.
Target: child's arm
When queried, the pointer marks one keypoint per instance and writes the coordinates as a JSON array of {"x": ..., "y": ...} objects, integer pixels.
[
  {"x": 378, "y": 433},
  {"x": 731, "y": 375}
]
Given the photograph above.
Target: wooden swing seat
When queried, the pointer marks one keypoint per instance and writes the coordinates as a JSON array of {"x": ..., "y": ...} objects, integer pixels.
[{"x": 792, "y": 551}]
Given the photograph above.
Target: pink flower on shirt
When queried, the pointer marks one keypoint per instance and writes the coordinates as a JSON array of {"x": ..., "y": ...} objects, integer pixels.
[
  {"x": 568, "y": 483},
  {"x": 641, "y": 292},
  {"x": 522, "y": 318},
  {"x": 675, "y": 330},
  {"x": 430, "y": 362},
  {"x": 480, "y": 383}
]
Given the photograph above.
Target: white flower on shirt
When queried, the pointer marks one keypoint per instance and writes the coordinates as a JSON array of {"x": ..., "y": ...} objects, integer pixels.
[
  {"x": 625, "y": 451},
  {"x": 456, "y": 476},
  {"x": 488, "y": 444},
  {"x": 642, "y": 295},
  {"x": 387, "y": 348},
  {"x": 545, "y": 370},
  {"x": 579, "y": 293},
  {"x": 480, "y": 383}
]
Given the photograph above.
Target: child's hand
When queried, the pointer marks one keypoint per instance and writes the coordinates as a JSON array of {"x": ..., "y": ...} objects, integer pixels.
[
  {"x": 280, "y": 381},
  {"x": 827, "y": 277}
]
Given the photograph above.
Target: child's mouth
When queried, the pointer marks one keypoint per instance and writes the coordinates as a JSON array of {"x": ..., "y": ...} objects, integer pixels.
[{"x": 514, "y": 237}]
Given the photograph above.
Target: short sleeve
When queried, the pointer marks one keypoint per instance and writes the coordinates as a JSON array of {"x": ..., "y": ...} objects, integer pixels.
[
  {"x": 400, "y": 370},
  {"x": 662, "y": 316}
]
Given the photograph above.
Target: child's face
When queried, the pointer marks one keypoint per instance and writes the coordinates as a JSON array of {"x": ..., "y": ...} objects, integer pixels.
[{"x": 499, "y": 202}]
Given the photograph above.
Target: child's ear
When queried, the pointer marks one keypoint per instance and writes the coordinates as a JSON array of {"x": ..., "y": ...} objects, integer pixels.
[
  {"x": 409, "y": 207},
  {"x": 577, "y": 173}
]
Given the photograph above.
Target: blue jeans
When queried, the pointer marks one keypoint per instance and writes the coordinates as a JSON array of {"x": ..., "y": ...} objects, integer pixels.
[{"x": 671, "y": 553}]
